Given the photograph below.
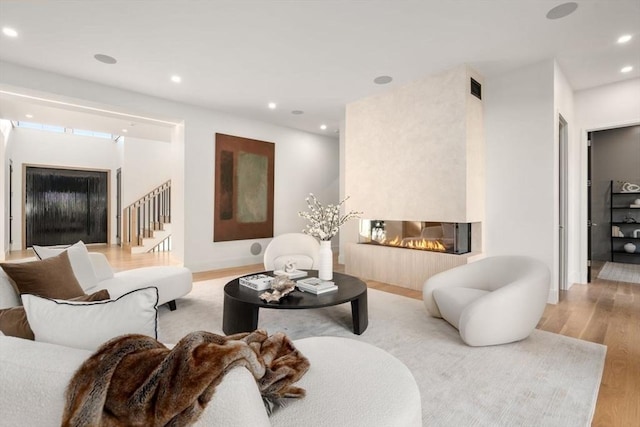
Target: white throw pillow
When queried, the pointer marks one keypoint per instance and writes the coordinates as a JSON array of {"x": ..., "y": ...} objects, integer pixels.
[
  {"x": 79, "y": 259},
  {"x": 88, "y": 325}
]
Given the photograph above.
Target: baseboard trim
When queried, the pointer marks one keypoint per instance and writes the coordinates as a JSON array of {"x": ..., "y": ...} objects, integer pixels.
[{"x": 225, "y": 263}]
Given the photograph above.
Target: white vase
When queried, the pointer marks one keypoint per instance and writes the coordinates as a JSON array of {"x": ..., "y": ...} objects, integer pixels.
[
  {"x": 630, "y": 247},
  {"x": 325, "y": 260}
]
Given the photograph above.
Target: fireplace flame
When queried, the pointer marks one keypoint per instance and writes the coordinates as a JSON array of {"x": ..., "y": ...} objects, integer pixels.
[{"x": 422, "y": 244}]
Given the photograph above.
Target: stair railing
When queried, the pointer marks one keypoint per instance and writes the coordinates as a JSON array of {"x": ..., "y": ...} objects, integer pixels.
[{"x": 146, "y": 214}]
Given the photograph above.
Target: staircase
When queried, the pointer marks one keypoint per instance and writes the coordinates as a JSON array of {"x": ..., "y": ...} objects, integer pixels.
[{"x": 146, "y": 223}]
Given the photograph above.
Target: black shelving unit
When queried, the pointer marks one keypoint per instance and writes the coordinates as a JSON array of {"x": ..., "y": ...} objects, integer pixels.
[{"x": 627, "y": 219}]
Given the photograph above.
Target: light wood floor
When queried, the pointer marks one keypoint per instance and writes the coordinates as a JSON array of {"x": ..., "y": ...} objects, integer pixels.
[{"x": 604, "y": 312}]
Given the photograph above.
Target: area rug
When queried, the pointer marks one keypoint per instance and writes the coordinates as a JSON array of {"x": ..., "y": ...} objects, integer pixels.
[
  {"x": 545, "y": 380},
  {"x": 620, "y": 272}
]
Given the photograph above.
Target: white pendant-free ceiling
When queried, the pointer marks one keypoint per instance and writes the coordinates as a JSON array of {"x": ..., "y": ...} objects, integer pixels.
[{"x": 311, "y": 56}]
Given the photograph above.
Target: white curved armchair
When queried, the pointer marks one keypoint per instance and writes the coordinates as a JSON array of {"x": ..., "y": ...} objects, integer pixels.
[
  {"x": 496, "y": 300},
  {"x": 299, "y": 248}
]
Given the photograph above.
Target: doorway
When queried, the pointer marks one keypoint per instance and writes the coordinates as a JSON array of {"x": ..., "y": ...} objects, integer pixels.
[
  {"x": 614, "y": 158},
  {"x": 63, "y": 206}
]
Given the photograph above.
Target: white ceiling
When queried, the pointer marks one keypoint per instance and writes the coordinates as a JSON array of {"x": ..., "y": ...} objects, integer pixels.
[{"x": 316, "y": 56}]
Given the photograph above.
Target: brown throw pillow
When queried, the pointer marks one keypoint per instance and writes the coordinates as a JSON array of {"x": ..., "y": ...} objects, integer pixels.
[
  {"x": 50, "y": 278},
  {"x": 100, "y": 295},
  {"x": 13, "y": 321}
]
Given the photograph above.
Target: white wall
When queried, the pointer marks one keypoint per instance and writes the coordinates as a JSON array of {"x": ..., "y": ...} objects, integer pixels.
[
  {"x": 304, "y": 163},
  {"x": 41, "y": 148},
  {"x": 413, "y": 153},
  {"x": 145, "y": 165},
  {"x": 5, "y": 131},
  {"x": 520, "y": 136},
  {"x": 608, "y": 106},
  {"x": 563, "y": 105},
  {"x": 603, "y": 107}
]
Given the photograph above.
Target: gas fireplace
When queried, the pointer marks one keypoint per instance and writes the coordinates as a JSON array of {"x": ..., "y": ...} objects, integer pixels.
[{"x": 445, "y": 237}]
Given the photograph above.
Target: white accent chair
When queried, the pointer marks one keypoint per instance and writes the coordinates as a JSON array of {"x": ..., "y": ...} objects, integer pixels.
[
  {"x": 496, "y": 300},
  {"x": 299, "y": 248}
]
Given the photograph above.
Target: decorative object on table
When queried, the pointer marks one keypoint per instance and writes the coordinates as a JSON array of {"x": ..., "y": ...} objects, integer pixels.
[
  {"x": 325, "y": 266},
  {"x": 281, "y": 286},
  {"x": 290, "y": 271},
  {"x": 616, "y": 232},
  {"x": 289, "y": 266},
  {"x": 628, "y": 187},
  {"x": 629, "y": 247},
  {"x": 257, "y": 282},
  {"x": 635, "y": 204},
  {"x": 324, "y": 224},
  {"x": 316, "y": 286},
  {"x": 636, "y": 233}
]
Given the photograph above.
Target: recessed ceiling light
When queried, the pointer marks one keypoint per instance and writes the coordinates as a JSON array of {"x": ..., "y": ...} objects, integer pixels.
[
  {"x": 124, "y": 130},
  {"x": 382, "y": 80},
  {"x": 105, "y": 59},
  {"x": 323, "y": 127},
  {"x": 626, "y": 69},
  {"x": 562, "y": 10},
  {"x": 29, "y": 116},
  {"x": 624, "y": 39},
  {"x": 297, "y": 112},
  {"x": 272, "y": 105},
  {"x": 176, "y": 79},
  {"x": 9, "y": 32}
]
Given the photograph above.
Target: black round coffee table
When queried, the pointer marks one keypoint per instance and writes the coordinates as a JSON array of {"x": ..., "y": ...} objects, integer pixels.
[{"x": 241, "y": 304}]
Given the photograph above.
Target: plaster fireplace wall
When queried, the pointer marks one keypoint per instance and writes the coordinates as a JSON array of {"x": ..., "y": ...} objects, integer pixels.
[{"x": 414, "y": 153}]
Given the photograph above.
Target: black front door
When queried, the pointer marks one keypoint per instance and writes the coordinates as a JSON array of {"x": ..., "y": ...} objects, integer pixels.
[{"x": 63, "y": 206}]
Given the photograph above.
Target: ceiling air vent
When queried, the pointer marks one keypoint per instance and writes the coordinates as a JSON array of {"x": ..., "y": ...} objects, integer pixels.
[{"x": 476, "y": 89}]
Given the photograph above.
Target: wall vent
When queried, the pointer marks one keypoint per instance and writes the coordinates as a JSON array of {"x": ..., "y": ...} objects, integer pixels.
[{"x": 476, "y": 89}]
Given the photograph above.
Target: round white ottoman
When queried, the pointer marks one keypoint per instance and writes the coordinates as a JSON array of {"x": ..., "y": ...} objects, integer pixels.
[{"x": 352, "y": 383}]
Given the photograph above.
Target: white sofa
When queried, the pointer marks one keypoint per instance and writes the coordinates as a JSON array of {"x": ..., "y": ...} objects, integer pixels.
[
  {"x": 349, "y": 383},
  {"x": 172, "y": 282}
]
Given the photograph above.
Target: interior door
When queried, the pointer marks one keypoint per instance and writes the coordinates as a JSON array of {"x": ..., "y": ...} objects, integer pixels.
[{"x": 563, "y": 141}]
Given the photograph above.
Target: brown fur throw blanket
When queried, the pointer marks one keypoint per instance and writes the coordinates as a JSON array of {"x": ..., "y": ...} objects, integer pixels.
[{"x": 134, "y": 380}]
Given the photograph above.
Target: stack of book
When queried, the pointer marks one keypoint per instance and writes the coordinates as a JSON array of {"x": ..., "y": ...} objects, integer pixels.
[
  {"x": 257, "y": 282},
  {"x": 316, "y": 286},
  {"x": 293, "y": 274}
]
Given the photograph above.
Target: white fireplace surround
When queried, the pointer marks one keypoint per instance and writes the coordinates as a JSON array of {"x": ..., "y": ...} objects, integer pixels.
[{"x": 422, "y": 146}]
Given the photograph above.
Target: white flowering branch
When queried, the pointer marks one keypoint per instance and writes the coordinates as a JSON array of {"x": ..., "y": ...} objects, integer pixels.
[{"x": 325, "y": 222}]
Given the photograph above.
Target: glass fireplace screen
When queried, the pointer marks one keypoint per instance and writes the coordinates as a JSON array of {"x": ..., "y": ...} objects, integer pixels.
[{"x": 447, "y": 237}]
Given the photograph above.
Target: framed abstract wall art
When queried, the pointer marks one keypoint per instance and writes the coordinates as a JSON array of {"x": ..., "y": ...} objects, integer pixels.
[{"x": 243, "y": 199}]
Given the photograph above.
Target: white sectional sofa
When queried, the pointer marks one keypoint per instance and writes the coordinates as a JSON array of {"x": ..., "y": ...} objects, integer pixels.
[
  {"x": 172, "y": 282},
  {"x": 349, "y": 383}
]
